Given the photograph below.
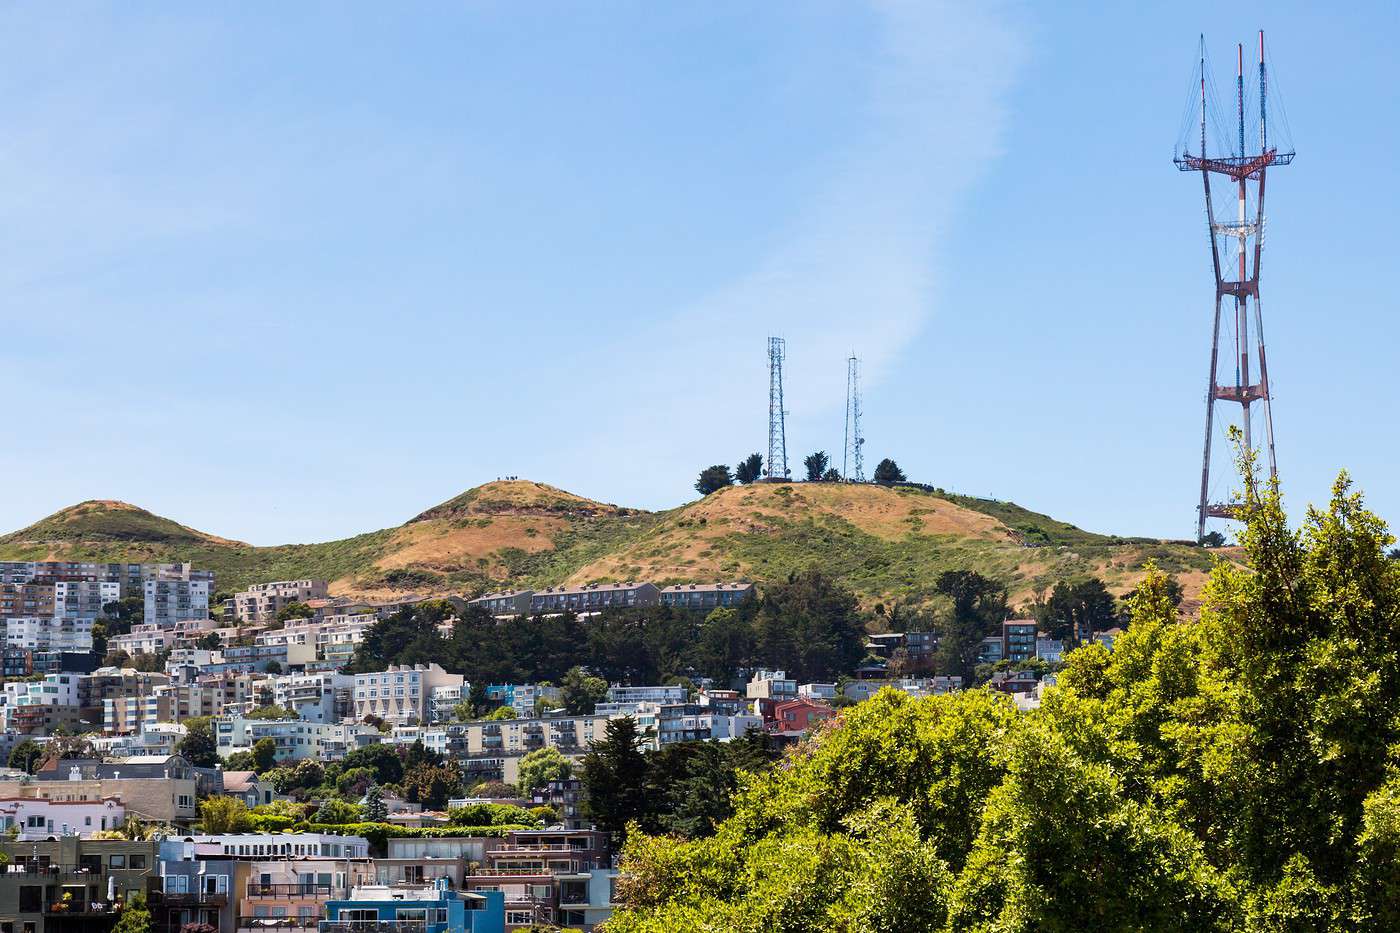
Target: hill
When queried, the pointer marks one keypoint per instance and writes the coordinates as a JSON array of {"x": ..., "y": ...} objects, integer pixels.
[{"x": 885, "y": 543}]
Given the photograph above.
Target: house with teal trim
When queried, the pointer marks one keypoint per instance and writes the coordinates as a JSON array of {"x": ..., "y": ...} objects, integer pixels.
[{"x": 435, "y": 908}]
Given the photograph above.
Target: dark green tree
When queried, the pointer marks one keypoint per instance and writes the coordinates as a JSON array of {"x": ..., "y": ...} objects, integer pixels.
[
  {"x": 810, "y": 627},
  {"x": 294, "y": 610},
  {"x": 1213, "y": 539},
  {"x": 614, "y": 774},
  {"x": 264, "y": 755},
  {"x": 581, "y": 691},
  {"x": 382, "y": 761},
  {"x": 832, "y": 475},
  {"x": 816, "y": 465},
  {"x": 198, "y": 746},
  {"x": 749, "y": 469},
  {"x": 887, "y": 471},
  {"x": 978, "y": 607},
  {"x": 27, "y": 755},
  {"x": 376, "y": 811},
  {"x": 1081, "y": 607},
  {"x": 713, "y": 478}
]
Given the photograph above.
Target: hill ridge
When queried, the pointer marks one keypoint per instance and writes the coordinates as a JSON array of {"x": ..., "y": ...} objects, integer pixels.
[{"x": 885, "y": 543}]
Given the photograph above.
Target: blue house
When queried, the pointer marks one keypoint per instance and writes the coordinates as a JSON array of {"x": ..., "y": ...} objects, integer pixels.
[{"x": 431, "y": 909}]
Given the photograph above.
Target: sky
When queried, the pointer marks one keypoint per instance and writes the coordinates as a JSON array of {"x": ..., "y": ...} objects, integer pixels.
[{"x": 291, "y": 272}]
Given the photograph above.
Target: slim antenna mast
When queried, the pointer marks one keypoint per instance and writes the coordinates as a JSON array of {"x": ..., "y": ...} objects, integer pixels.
[
  {"x": 777, "y": 469},
  {"x": 852, "y": 461}
]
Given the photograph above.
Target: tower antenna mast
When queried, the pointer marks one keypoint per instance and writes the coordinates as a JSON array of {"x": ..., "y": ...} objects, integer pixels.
[
  {"x": 777, "y": 468},
  {"x": 852, "y": 460},
  {"x": 1242, "y": 170}
]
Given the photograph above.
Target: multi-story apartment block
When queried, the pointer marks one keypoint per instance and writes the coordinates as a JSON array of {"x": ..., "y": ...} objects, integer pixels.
[
  {"x": 91, "y": 878},
  {"x": 400, "y": 694},
  {"x": 293, "y": 738},
  {"x": 508, "y": 603},
  {"x": 707, "y": 595},
  {"x": 26, "y": 599},
  {"x": 83, "y": 599},
  {"x": 622, "y": 700},
  {"x": 318, "y": 697},
  {"x": 594, "y": 597},
  {"x": 144, "y": 638},
  {"x": 524, "y": 699},
  {"x": 262, "y": 602},
  {"x": 170, "y": 600},
  {"x": 195, "y": 889},
  {"x": 666, "y": 724},
  {"x": 39, "y": 707},
  {"x": 49, "y": 633},
  {"x": 170, "y": 703},
  {"x": 239, "y": 689},
  {"x": 1018, "y": 637},
  {"x": 527, "y": 867}
]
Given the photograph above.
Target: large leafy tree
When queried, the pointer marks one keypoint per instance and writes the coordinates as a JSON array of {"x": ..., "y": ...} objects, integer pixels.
[
  {"x": 581, "y": 691},
  {"x": 713, "y": 478},
  {"x": 816, "y": 465},
  {"x": 887, "y": 471},
  {"x": 27, "y": 755},
  {"x": 1080, "y": 607},
  {"x": 541, "y": 766},
  {"x": 977, "y": 605},
  {"x": 198, "y": 746},
  {"x": 749, "y": 469}
]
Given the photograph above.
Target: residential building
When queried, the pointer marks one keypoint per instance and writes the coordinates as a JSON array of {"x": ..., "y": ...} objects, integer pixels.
[
  {"x": 49, "y": 633},
  {"x": 171, "y": 599},
  {"x": 286, "y": 846},
  {"x": 992, "y": 650},
  {"x": 594, "y": 597},
  {"x": 161, "y": 789},
  {"x": 195, "y": 890},
  {"x": 83, "y": 599},
  {"x": 401, "y": 694},
  {"x": 37, "y": 818},
  {"x": 433, "y": 908},
  {"x": 566, "y": 797},
  {"x": 318, "y": 697},
  {"x": 1018, "y": 637},
  {"x": 1049, "y": 649},
  {"x": 262, "y": 602},
  {"x": 587, "y": 898},
  {"x": 526, "y": 868},
  {"x": 294, "y": 739},
  {"x": 510, "y": 603},
  {"x": 706, "y": 596},
  {"x": 144, "y": 638},
  {"x": 622, "y": 700},
  {"x": 797, "y": 717},
  {"x": 70, "y": 884},
  {"x": 32, "y": 600},
  {"x": 689, "y": 722},
  {"x": 817, "y": 691},
  {"x": 771, "y": 685}
]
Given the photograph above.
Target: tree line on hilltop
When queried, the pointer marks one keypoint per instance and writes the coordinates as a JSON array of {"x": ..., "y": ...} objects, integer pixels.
[{"x": 750, "y": 470}]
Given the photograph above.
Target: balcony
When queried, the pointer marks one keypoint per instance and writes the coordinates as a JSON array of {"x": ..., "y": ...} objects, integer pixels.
[
  {"x": 278, "y": 923},
  {"x": 194, "y": 899},
  {"x": 372, "y": 926},
  {"x": 296, "y": 889}
]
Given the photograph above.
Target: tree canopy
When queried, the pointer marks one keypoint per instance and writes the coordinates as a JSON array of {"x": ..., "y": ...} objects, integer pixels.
[
  {"x": 1240, "y": 771},
  {"x": 713, "y": 478},
  {"x": 887, "y": 471},
  {"x": 749, "y": 469},
  {"x": 816, "y": 465}
]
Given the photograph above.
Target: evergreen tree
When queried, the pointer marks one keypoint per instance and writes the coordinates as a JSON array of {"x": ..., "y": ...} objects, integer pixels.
[
  {"x": 887, "y": 471},
  {"x": 816, "y": 465},
  {"x": 749, "y": 469},
  {"x": 713, "y": 478},
  {"x": 376, "y": 811},
  {"x": 614, "y": 774}
]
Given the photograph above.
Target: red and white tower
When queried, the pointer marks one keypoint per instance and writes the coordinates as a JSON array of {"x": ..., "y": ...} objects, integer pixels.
[{"x": 1236, "y": 247}]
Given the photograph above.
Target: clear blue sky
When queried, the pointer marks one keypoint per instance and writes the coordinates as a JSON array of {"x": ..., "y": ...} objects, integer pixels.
[{"x": 289, "y": 272}]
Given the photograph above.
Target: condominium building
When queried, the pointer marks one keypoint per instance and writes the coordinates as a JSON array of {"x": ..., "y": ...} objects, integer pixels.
[
  {"x": 37, "y": 818},
  {"x": 508, "y": 603},
  {"x": 319, "y": 697},
  {"x": 144, "y": 638},
  {"x": 26, "y": 599},
  {"x": 594, "y": 597},
  {"x": 1018, "y": 637},
  {"x": 706, "y": 595},
  {"x": 83, "y": 599},
  {"x": 771, "y": 685},
  {"x": 293, "y": 738},
  {"x": 622, "y": 700},
  {"x": 401, "y": 694},
  {"x": 666, "y": 724},
  {"x": 174, "y": 599},
  {"x": 262, "y": 602},
  {"x": 49, "y": 633}
]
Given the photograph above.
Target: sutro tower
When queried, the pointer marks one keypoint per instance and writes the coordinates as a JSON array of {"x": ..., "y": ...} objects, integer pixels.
[
  {"x": 777, "y": 468},
  {"x": 1238, "y": 280}
]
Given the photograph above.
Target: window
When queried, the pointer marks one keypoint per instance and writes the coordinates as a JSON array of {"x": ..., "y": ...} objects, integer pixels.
[
  {"x": 138, "y": 861},
  {"x": 31, "y": 900},
  {"x": 117, "y": 861},
  {"x": 176, "y": 884}
]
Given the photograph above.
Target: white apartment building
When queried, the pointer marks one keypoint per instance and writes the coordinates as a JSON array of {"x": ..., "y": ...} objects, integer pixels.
[
  {"x": 261, "y": 603},
  {"x": 771, "y": 685},
  {"x": 53, "y": 690},
  {"x": 49, "y": 633},
  {"x": 175, "y": 600},
  {"x": 400, "y": 695},
  {"x": 442, "y": 700},
  {"x": 83, "y": 599},
  {"x": 665, "y": 724},
  {"x": 36, "y": 818},
  {"x": 268, "y": 845},
  {"x": 626, "y": 699},
  {"x": 294, "y": 739},
  {"x": 319, "y": 697},
  {"x": 146, "y": 638}
]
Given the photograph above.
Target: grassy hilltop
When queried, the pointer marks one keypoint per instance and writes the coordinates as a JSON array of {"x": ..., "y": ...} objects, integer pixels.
[{"x": 884, "y": 543}]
